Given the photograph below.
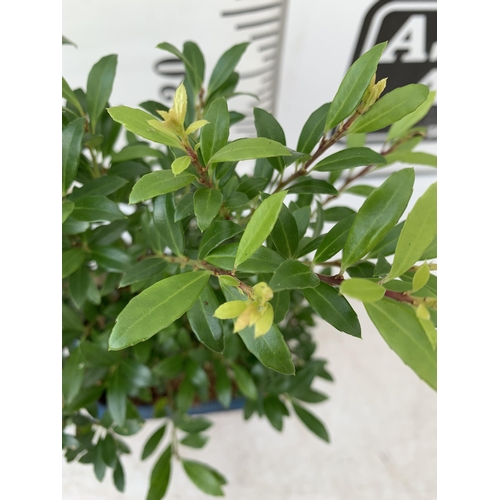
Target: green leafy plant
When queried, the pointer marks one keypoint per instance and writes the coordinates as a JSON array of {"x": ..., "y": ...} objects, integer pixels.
[{"x": 187, "y": 281}]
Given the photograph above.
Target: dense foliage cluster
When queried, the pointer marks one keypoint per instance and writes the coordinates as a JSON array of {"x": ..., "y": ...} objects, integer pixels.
[{"x": 186, "y": 281}]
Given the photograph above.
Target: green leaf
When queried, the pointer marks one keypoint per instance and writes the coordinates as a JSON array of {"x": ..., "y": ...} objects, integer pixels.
[
  {"x": 70, "y": 96},
  {"x": 195, "y": 65},
  {"x": 252, "y": 186},
  {"x": 136, "y": 152},
  {"x": 72, "y": 137},
  {"x": 259, "y": 227},
  {"x": 119, "y": 476},
  {"x": 207, "y": 329},
  {"x": 79, "y": 283},
  {"x": 275, "y": 410},
  {"x": 67, "y": 208},
  {"x": 308, "y": 185},
  {"x": 413, "y": 157},
  {"x": 281, "y": 305},
  {"x": 249, "y": 149},
  {"x": 192, "y": 425},
  {"x": 388, "y": 245},
  {"x": 293, "y": 275},
  {"x": 225, "y": 66},
  {"x": 430, "y": 251},
  {"x": 158, "y": 183},
  {"x": 170, "y": 367},
  {"x": 235, "y": 117},
  {"x": 184, "y": 396},
  {"x": 72, "y": 375},
  {"x": 311, "y": 422},
  {"x": 417, "y": 234},
  {"x": 402, "y": 126},
  {"x": 391, "y": 108},
  {"x": 67, "y": 41},
  {"x": 204, "y": 477},
  {"x": 267, "y": 126},
  {"x": 285, "y": 235},
  {"x": 333, "y": 308},
  {"x": 99, "y": 465},
  {"x": 302, "y": 217},
  {"x": 313, "y": 129},
  {"x": 156, "y": 308},
  {"x": 218, "y": 232},
  {"x": 223, "y": 385},
  {"x": 129, "y": 170},
  {"x": 160, "y": 476},
  {"x": 184, "y": 208},
  {"x": 236, "y": 200},
  {"x": 400, "y": 328},
  {"x": 143, "y": 270},
  {"x": 353, "y": 86},
  {"x": 334, "y": 240},
  {"x": 336, "y": 214},
  {"x": 245, "y": 382},
  {"x": 101, "y": 186},
  {"x": 214, "y": 136},
  {"x": 153, "y": 107},
  {"x": 207, "y": 203},
  {"x": 99, "y": 87},
  {"x": 360, "y": 190},
  {"x": 355, "y": 140},
  {"x": 429, "y": 329},
  {"x": 378, "y": 215},
  {"x": 264, "y": 260},
  {"x": 116, "y": 398},
  {"x": 114, "y": 260},
  {"x": 136, "y": 121},
  {"x": 349, "y": 158},
  {"x": 171, "y": 232},
  {"x": 109, "y": 450},
  {"x": 421, "y": 277},
  {"x": 362, "y": 289},
  {"x": 195, "y": 441},
  {"x": 72, "y": 260},
  {"x": 95, "y": 209}
]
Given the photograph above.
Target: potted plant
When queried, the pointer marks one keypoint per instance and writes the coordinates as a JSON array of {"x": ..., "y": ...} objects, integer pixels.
[{"x": 189, "y": 284}]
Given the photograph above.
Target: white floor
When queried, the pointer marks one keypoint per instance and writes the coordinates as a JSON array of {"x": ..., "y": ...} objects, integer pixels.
[{"x": 380, "y": 416}]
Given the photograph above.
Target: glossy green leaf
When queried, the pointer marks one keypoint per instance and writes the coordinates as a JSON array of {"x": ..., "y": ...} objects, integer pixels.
[
  {"x": 362, "y": 289},
  {"x": 114, "y": 260},
  {"x": 264, "y": 260},
  {"x": 116, "y": 398},
  {"x": 413, "y": 158},
  {"x": 353, "y": 86},
  {"x": 360, "y": 190},
  {"x": 311, "y": 422},
  {"x": 196, "y": 441},
  {"x": 417, "y": 234},
  {"x": 72, "y": 260},
  {"x": 429, "y": 329},
  {"x": 95, "y": 209},
  {"x": 207, "y": 329},
  {"x": 249, "y": 149},
  {"x": 349, "y": 158},
  {"x": 336, "y": 214},
  {"x": 334, "y": 240},
  {"x": 136, "y": 121},
  {"x": 153, "y": 107},
  {"x": 245, "y": 382},
  {"x": 101, "y": 186},
  {"x": 184, "y": 208},
  {"x": 195, "y": 64},
  {"x": 136, "y": 152},
  {"x": 388, "y": 245},
  {"x": 70, "y": 96},
  {"x": 158, "y": 183},
  {"x": 236, "y": 201},
  {"x": 129, "y": 170},
  {"x": 204, "y": 477},
  {"x": 355, "y": 140},
  {"x": 214, "y": 136},
  {"x": 308, "y": 185},
  {"x": 400, "y": 328},
  {"x": 313, "y": 129},
  {"x": 267, "y": 126},
  {"x": 171, "y": 232},
  {"x": 333, "y": 308},
  {"x": 402, "y": 126},
  {"x": 72, "y": 375},
  {"x": 156, "y": 308},
  {"x": 308, "y": 245},
  {"x": 391, "y": 108},
  {"x": 293, "y": 275},
  {"x": 378, "y": 215},
  {"x": 67, "y": 208},
  {"x": 207, "y": 203},
  {"x": 218, "y": 232},
  {"x": 259, "y": 227},
  {"x": 302, "y": 217},
  {"x": 143, "y": 270},
  {"x": 79, "y": 283},
  {"x": 281, "y": 305},
  {"x": 99, "y": 87},
  {"x": 252, "y": 186},
  {"x": 421, "y": 277},
  {"x": 225, "y": 66},
  {"x": 160, "y": 476},
  {"x": 285, "y": 235},
  {"x": 72, "y": 137}
]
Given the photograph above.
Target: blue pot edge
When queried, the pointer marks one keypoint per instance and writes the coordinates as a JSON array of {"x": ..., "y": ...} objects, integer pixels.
[{"x": 147, "y": 411}]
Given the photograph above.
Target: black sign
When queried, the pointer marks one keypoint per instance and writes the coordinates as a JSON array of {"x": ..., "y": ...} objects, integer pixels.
[{"x": 410, "y": 27}]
